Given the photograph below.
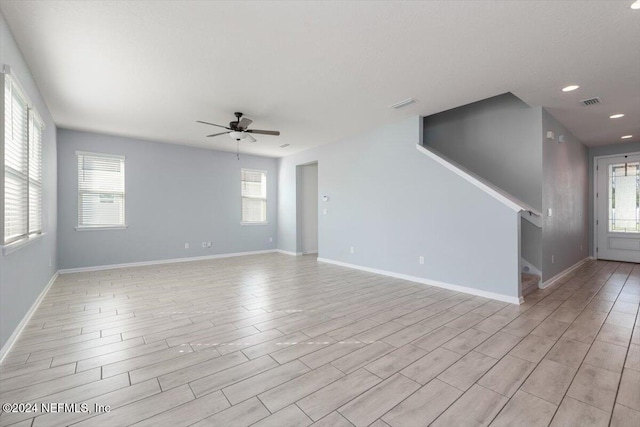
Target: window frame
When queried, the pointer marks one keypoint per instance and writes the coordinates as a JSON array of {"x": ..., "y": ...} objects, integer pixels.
[
  {"x": 101, "y": 227},
  {"x": 33, "y": 119},
  {"x": 265, "y": 198}
]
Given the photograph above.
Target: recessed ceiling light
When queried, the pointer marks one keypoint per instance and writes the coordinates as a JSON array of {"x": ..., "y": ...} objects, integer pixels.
[
  {"x": 616, "y": 116},
  {"x": 570, "y": 88},
  {"x": 635, "y": 5},
  {"x": 626, "y": 137}
]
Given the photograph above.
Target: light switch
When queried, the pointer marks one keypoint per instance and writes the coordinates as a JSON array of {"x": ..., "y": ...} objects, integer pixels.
[
  {"x": 324, "y": 211},
  {"x": 549, "y": 212}
]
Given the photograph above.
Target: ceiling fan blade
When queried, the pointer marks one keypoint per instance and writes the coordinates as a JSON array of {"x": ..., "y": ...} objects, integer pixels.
[
  {"x": 212, "y": 124},
  {"x": 216, "y": 134},
  {"x": 264, "y": 132},
  {"x": 244, "y": 123},
  {"x": 249, "y": 138}
]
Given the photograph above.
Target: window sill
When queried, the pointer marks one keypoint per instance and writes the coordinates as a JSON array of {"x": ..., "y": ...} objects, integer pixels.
[
  {"x": 255, "y": 223},
  {"x": 102, "y": 228},
  {"x": 17, "y": 245}
]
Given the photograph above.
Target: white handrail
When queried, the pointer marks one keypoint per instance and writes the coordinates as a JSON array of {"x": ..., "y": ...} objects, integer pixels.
[
  {"x": 532, "y": 217},
  {"x": 495, "y": 192}
]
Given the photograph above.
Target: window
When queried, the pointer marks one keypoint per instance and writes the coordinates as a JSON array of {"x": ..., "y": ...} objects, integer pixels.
[
  {"x": 254, "y": 197},
  {"x": 100, "y": 191},
  {"x": 22, "y": 165},
  {"x": 624, "y": 198}
]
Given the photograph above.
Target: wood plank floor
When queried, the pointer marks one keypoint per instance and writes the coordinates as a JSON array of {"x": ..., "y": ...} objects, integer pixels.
[{"x": 274, "y": 340}]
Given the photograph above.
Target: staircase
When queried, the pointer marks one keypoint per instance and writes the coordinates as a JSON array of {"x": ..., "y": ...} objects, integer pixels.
[{"x": 529, "y": 283}]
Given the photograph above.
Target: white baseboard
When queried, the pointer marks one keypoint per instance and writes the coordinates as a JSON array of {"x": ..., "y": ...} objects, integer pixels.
[
  {"x": 558, "y": 276},
  {"x": 18, "y": 330},
  {"x": 457, "y": 288},
  {"x": 162, "y": 261},
  {"x": 289, "y": 252}
]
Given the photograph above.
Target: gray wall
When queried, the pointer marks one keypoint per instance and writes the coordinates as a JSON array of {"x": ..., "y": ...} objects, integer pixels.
[
  {"x": 174, "y": 195},
  {"x": 498, "y": 139},
  {"x": 565, "y": 191},
  {"x": 25, "y": 273},
  {"x": 606, "y": 150},
  {"x": 531, "y": 243},
  {"x": 394, "y": 204}
]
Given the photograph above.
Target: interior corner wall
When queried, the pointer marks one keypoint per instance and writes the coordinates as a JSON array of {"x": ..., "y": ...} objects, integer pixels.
[
  {"x": 394, "y": 204},
  {"x": 25, "y": 273},
  {"x": 605, "y": 150},
  {"x": 175, "y": 194},
  {"x": 498, "y": 139},
  {"x": 566, "y": 192}
]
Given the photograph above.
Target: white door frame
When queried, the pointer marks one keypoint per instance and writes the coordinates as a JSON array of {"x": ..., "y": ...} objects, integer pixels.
[{"x": 595, "y": 191}]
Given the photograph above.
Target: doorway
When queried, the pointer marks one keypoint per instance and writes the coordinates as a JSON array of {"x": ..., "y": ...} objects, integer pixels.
[
  {"x": 309, "y": 208},
  {"x": 617, "y": 207}
]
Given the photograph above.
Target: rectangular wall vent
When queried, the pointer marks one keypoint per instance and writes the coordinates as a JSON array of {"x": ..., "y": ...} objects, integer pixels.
[
  {"x": 403, "y": 103},
  {"x": 591, "y": 101},
  {"x": 284, "y": 145}
]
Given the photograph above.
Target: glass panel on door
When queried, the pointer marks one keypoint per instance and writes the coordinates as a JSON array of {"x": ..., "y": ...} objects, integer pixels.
[{"x": 624, "y": 197}]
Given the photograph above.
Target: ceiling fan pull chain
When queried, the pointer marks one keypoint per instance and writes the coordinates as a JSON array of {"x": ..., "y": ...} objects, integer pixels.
[{"x": 238, "y": 148}]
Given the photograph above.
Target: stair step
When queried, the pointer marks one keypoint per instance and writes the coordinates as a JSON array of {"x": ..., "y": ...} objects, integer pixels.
[{"x": 529, "y": 283}]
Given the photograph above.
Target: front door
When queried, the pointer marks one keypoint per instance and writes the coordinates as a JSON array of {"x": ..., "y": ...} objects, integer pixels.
[{"x": 618, "y": 208}]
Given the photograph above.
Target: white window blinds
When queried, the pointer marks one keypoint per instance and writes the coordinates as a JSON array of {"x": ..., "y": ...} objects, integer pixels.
[
  {"x": 100, "y": 190},
  {"x": 35, "y": 176},
  {"x": 254, "y": 196},
  {"x": 22, "y": 165}
]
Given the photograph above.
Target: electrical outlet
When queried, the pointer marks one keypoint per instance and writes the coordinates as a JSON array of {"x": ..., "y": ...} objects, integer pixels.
[
  {"x": 186, "y": 246},
  {"x": 553, "y": 259},
  {"x": 208, "y": 244},
  {"x": 421, "y": 260},
  {"x": 204, "y": 244},
  {"x": 324, "y": 211},
  {"x": 352, "y": 249}
]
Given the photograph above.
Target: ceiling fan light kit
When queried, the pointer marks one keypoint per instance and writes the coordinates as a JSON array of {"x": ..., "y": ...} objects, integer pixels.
[{"x": 242, "y": 136}]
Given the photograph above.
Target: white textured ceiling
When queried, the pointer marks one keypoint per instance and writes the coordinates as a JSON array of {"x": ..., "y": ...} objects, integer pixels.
[{"x": 318, "y": 71}]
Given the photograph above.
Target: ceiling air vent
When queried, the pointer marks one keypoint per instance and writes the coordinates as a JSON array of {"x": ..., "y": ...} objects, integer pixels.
[
  {"x": 403, "y": 103},
  {"x": 591, "y": 101}
]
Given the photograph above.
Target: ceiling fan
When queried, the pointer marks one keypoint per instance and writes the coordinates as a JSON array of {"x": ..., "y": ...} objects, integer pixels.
[{"x": 238, "y": 129}]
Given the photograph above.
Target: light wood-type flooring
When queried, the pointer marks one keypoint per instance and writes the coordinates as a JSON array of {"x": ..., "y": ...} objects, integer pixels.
[{"x": 275, "y": 340}]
